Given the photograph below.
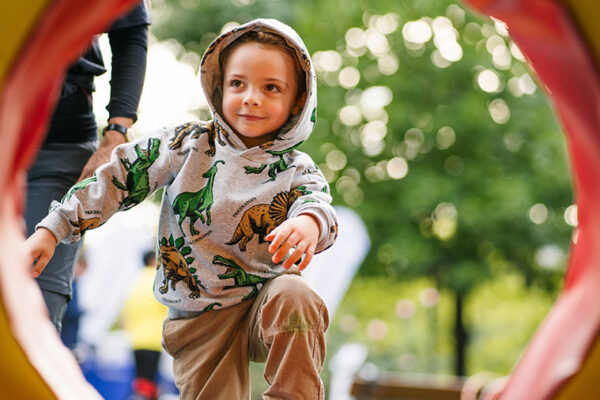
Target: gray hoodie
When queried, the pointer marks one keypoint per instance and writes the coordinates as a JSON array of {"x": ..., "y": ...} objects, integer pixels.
[{"x": 220, "y": 200}]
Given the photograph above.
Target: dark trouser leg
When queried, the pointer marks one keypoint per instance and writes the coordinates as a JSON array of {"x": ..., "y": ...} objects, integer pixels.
[
  {"x": 55, "y": 170},
  {"x": 57, "y": 304}
]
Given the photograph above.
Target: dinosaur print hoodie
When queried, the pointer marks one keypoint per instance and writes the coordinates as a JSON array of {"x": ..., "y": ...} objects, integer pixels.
[{"x": 220, "y": 198}]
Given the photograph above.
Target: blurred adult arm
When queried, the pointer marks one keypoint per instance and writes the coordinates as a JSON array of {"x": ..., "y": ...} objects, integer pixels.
[{"x": 129, "y": 45}]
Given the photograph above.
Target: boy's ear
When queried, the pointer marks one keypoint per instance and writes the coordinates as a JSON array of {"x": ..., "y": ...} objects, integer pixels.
[{"x": 299, "y": 104}]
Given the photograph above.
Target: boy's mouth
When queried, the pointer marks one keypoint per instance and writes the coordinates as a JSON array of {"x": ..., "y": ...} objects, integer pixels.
[{"x": 250, "y": 117}]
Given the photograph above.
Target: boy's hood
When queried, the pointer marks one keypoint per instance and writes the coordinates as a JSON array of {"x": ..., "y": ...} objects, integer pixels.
[{"x": 299, "y": 126}]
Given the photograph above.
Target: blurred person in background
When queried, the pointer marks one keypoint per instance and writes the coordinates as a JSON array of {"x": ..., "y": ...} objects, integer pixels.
[
  {"x": 70, "y": 152},
  {"x": 142, "y": 319}
]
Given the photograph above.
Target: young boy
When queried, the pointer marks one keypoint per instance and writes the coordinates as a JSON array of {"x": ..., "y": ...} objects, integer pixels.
[{"x": 238, "y": 199}]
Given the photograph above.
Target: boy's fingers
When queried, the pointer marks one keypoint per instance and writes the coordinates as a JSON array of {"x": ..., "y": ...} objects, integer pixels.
[
  {"x": 282, "y": 237},
  {"x": 271, "y": 235},
  {"x": 39, "y": 265},
  {"x": 295, "y": 256},
  {"x": 281, "y": 252},
  {"x": 276, "y": 240},
  {"x": 307, "y": 258}
]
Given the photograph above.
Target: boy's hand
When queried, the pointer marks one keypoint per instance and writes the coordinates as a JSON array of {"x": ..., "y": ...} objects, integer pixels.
[
  {"x": 40, "y": 247},
  {"x": 301, "y": 233}
]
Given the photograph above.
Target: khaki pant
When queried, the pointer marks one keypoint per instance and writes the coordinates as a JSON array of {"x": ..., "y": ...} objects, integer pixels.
[{"x": 284, "y": 326}]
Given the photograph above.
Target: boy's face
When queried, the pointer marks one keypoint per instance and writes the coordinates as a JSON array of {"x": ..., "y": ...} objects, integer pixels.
[{"x": 259, "y": 91}]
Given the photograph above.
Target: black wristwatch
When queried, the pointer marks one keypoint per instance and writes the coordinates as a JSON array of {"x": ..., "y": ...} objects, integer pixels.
[{"x": 116, "y": 127}]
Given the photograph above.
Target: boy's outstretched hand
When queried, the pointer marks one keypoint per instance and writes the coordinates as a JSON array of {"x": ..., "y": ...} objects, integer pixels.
[
  {"x": 301, "y": 233},
  {"x": 40, "y": 247}
]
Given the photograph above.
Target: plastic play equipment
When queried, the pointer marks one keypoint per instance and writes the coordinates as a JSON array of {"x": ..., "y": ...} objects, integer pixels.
[
  {"x": 38, "y": 39},
  {"x": 561, "y": 40}
]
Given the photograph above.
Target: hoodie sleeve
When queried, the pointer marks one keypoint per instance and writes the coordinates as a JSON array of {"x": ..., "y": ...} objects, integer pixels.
[
  {"x": 316, "y": 200},
  {"x": 134, "y": 172}
]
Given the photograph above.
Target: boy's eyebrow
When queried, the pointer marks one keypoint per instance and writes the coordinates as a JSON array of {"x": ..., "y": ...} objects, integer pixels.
[{"x": 238, "y": 76}]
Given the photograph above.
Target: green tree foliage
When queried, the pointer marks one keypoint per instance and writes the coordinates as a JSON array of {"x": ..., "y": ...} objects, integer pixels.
[{"x": 430, "y": 125}]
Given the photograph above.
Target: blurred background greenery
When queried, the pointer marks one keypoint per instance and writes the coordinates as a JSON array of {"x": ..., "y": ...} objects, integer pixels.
[{"x": 434, "y": 129}]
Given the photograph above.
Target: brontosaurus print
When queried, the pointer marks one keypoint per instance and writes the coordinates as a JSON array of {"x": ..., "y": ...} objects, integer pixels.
[{"x": 192, "y": 204}]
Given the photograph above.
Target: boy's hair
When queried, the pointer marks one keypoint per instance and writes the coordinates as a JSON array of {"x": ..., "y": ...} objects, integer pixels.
[{"x": 266, "y": 38}]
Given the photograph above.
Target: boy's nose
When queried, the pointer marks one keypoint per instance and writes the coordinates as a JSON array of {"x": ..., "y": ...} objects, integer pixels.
[{"x": 251, "y": 98}]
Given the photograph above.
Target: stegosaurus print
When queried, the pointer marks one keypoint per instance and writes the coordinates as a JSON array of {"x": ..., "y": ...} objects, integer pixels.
[{"x": 174, "y": 258}]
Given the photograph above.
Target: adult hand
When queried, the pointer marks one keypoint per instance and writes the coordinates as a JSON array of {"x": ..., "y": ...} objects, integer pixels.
[{"x": 110, "y": 140}]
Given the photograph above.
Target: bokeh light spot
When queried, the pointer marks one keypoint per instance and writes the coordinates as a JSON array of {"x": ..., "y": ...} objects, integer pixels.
[
  {"x": 416, "y": 31},
  {"x": 571, "y": 215},
  {"x": 489, "y": 81},
  {"x": 349, "y": 77},
  {"x": 499, "y": 111},
  {"x": 336, "y": 160},
  {"x": 538, "y": 213},
  {"x": 397, "y": 168}
]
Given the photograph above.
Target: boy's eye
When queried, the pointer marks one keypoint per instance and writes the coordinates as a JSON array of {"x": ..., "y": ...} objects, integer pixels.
[
  {"x": 272, "y": 88},
  {"x": 236, "y": 83}
]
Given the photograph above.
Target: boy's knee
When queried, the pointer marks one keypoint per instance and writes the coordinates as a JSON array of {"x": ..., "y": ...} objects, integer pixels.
[
  {"x": 293, "y": 301},
  {"x": 293, "y": 288}
]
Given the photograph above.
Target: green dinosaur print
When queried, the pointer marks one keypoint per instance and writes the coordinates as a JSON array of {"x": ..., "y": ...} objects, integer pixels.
[
  {"x": 78, "y": 186},
  {"x": 192, "y": 204},
  {"x": 261, "y": 219},
  {"x": 137, "y": 182},
  {"x": 173, "y": 257},
  {"x": 275, "y": 167},
  {"x": 240, "y": 277},
  {"x": 313, "y": 115}
]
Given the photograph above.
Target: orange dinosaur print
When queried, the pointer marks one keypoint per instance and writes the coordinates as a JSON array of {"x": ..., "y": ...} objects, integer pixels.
[
  {"x": 84, "y": 224},
  {"x": 261, "y": 219},
  {"x": 195, "y": 130},
  {"x": 176, "y": 269}
]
